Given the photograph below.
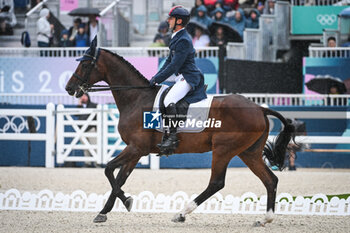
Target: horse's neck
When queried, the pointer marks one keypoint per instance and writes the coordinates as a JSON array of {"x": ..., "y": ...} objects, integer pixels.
[{"x": 120, "y": 75}]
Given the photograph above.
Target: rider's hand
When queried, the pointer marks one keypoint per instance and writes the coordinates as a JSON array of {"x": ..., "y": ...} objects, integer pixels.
[{"x": 152, "y": 82}]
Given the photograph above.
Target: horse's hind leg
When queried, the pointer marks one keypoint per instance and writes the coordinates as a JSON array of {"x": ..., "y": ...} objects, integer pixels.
[
  {"x": 253, "y": 159},
  {"x": 217, "y": 182},
  {"x": 127, "y": 161}
]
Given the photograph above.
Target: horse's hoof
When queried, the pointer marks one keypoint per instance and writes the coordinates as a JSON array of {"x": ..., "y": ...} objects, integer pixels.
[
  {"x": 258, "y": 224},
  {"x": 100, "y": 218},
  {"x": 128, "y": 203},
  {"x": 178, "y": 218}
]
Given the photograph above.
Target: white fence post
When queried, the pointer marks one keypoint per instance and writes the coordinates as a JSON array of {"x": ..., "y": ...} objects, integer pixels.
[
  {"x": 50, "y": 134},
  {"x": 154, "y": 162},
  {"x": 104, "y": 135},
  {"x": 100, "y": 133},
  {"x": 59, "y": 133}
]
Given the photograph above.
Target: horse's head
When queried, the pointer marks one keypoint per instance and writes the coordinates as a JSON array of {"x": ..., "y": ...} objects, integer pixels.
[{"x": 86, "y": 73}]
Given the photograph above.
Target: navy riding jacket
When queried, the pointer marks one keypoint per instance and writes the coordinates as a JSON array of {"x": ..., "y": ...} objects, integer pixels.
[{"x": 181, "y": 61}]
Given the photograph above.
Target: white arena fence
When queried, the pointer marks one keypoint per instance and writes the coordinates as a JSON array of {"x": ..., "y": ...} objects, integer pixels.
[
  {"x": 106, "y": 98},
  {"x": 71, "y": 135},
  {"x": 16, "y": 128},
  {"x": 248, "y": 203},
  {"x": 329, "y": 52},
  {"x": 122, "y": 51}
]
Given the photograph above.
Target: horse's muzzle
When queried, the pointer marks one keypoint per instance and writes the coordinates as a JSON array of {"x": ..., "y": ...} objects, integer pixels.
[{"x": 70, "y": 90}]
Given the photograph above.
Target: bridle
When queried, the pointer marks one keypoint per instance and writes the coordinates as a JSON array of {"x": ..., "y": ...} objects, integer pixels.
[{"x": 86, "y": 87}]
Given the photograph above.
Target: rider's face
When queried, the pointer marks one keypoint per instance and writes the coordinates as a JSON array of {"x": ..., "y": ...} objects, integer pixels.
[{"x": 171, "y": 22}]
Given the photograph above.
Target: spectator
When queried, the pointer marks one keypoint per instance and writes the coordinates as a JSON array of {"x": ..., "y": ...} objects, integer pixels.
[
  {"x": 200, "y": 39},
  {"x": 269, "y": 8},
  {"x": 210, "y": 5},
  {"x": 331, "y": 43},
  {"x": 85, "y": 102},
  {"x": 219, "y": 38},
  {"x": 260, "y": 7},
  {"x": 44, "y": 28},
  {"x": 73, "y": 30},
  {"x": 81, "y": 39},
  {"x": 7, "y": 11},
  {"x": 92, "y": 27},
  {"x": 5, "y": 28},
  {"x": 229, "y": 5},
  {"x": 202, "y": 16},
  {"x": 238, "y": 21},
  {"x": 334, "y": 90},
  {"x": 219, "y": 15},
  {"x": 197, "y": 3},
  {"x": 162, "y": 38},
  {"x": 65, "y": 42},
  {"x": 253, "y": 19}
]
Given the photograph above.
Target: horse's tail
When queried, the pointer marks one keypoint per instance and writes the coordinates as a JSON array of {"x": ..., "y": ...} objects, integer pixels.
[{"x": 275, "y": 151}]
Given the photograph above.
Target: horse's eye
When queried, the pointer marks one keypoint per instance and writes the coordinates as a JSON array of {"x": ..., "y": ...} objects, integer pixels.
[{"x": 85, "y": 66}]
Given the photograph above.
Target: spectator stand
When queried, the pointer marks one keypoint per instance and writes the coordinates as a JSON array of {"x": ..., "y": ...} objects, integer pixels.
[{"x": 262, "y": 44}]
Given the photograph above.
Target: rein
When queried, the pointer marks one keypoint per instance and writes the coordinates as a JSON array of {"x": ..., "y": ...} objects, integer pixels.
[{"x": 96, "y": 88}]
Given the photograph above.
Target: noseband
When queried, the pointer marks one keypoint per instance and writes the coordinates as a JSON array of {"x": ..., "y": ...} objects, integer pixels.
[{"x": 86, "y": 87}]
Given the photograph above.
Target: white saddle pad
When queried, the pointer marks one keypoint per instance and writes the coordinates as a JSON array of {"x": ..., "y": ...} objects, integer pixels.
[{"x": 197, "y": 112}]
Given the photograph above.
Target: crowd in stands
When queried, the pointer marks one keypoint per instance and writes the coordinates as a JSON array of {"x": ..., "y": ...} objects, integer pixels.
[
  {"x": 226, "y": 13},
  {"x": 80, "y": 34}
]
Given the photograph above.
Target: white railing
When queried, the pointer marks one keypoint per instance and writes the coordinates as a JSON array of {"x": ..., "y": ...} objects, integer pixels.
[
  {"x": 106, "y": 136},
  {"x": 16, "y": 128},
  {"x": 71, "y": 133},
  {"x": 318, "y": 2},
  {"x": 342, "y": 52},
  {"x": 107, "y": 98},
  {"x": 298, "y": 99},
  {"x": 122, "y": 51}
]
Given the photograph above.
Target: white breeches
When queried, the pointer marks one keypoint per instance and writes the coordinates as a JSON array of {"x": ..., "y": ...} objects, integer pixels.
[{"x": 178, "y": 91}]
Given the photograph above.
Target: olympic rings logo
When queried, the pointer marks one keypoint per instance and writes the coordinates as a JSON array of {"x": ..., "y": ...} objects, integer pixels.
[
  {"x": 326, "y": 19},
  {"x": 16, "y": 123}
]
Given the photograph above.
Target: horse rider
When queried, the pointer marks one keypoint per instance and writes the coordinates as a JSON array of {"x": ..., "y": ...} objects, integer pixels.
[{"x": 181, "y": 68}]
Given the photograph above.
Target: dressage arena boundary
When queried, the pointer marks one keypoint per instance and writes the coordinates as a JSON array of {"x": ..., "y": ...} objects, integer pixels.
[
  {"x": 15, "y": 126},
  {"x": 147, "y": 202}
]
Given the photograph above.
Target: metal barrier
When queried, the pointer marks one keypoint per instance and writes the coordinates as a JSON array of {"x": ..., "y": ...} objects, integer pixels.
[
  {"x": 341, "y": 52},
  {"x": 282, "y": 10},
  {"x": 252, "y": 40},
  {"x": 201, "y": 52},
  {"x": 106, "y": 98},
  {"x": 267, "y": 25},
  {"x": 114, "y": 24}
]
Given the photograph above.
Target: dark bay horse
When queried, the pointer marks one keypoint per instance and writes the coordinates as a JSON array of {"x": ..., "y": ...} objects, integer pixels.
[{"x": 244, "y": 131}]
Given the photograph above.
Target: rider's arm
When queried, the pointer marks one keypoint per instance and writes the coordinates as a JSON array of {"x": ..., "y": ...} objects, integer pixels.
[{"x": 182, "y": 49}]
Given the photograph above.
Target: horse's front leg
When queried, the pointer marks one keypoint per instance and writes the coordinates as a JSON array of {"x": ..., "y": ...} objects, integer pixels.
[{"x": 127, "y": 159}]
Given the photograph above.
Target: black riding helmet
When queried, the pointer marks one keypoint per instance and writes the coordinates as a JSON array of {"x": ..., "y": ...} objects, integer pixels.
[{"x": 178, "y": 12}]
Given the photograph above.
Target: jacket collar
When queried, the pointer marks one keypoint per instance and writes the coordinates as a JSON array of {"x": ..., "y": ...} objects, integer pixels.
[{"x": 177, "y": 36}]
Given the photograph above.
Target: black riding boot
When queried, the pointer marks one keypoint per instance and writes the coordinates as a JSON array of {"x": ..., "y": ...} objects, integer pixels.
[{"x": 169, "y": 145}]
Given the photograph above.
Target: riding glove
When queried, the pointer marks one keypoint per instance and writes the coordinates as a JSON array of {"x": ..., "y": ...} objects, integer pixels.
[{"x": 152, "y": 82}]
